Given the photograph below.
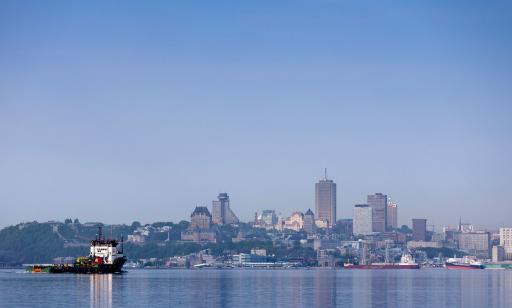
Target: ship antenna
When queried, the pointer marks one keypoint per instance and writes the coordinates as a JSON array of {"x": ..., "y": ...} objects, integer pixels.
[{"x": 99, "y": 233}]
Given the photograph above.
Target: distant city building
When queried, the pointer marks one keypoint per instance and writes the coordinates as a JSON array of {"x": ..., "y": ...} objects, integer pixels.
[
  {"x": 424, "y": 244},
  {"x": 506, "y": 241},
  {"x": 419, "y": 229},
  {"x": 200, "y": 227},
  {"x": 498, "y": 254},
  {"x": 345, "y": 226},
  {"x": 222, "y": 213},
  {"x": 309, "y": 222},
  {"x": 321, "y": 223},
  {"x": 465, "y": 227},
  {"x": 378, "y": 203},
  {"x": 259, "y": 252},
  {"x": 325, "y": 200},
  {"x": 200, "y": 218},
  {"x": 475, "y": 243},
  {"x": 269, "y": 217},
  {"x": 392, "y": 215},
  {"x": 295, "y": 222},
  {"x": 363, "y": 219}
]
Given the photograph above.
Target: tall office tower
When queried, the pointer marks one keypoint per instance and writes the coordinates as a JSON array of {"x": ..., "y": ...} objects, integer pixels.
[
  {"x": 222, "y": 213},
  {"x": 392, "y": 215},
  {"x": 362, "y": 222},
  {"x": 506, "y": 241},
  {"x": 419, "y": 229},
  {"x": 325, "y": 200},
  {"x": 309, "y": 222},
  {"x": 379, "y": 203}
]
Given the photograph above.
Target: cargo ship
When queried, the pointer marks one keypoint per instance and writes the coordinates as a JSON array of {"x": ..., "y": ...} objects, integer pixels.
[
  {"x": 464, "y": 263},
  {"x": 104, "y": 257},
  {"x": 406, "y": 262}
]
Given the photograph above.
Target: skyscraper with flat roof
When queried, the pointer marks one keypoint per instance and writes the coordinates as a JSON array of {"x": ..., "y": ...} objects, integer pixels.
[
  {"x": 362, "y": 222},
  {"x": 392, "y": 215},
  {"x": 506, "y": 241},
  {"x": 325, "y": 200},
  {"x": 419, "y": 229},
  {"x": 379, "y": 203}
]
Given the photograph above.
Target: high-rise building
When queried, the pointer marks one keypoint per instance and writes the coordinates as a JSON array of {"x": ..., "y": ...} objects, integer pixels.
[
  {"x": 222, "y": 213},
  {"x": 392, "y": 215},
  {"x": 325, "y": 201},
  {"x": 379, "y": 203},
  {"x": 363, "y": 219},
  {"x": 309, "y": 222},
  {"x": 419, "y": 229},
  {"x": 506, "y": 241}
]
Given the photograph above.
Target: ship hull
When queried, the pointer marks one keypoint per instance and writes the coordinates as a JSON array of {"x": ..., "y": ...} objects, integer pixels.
[
  {"x": 116, "y": 267},
  {"x": 463, "y": 266},
  {"x": 383, "y": 266}
]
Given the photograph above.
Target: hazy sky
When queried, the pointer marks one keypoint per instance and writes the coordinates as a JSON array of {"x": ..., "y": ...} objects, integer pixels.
[{"x": 127, "y": 111}]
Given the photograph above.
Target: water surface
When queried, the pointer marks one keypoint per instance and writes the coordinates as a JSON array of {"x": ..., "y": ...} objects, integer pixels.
[{"x": 262, "y": 288}]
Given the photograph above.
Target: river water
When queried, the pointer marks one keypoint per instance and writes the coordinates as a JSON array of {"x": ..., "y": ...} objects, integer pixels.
[{"x": 260, "y": 288}]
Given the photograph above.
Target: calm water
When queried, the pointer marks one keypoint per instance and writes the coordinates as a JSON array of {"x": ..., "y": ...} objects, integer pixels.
[{"x": 263, "y": 288}]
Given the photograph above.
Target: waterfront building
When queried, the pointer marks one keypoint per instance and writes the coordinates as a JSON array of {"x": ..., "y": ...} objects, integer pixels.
[
  {"x": 245, "y": 258},
  {"x": 419, "y": 229},
  {"x": 363, "y": 219},
  {"x": 222, "y": 213},
  {"x": 392, "y": 215},
  {"x": 325, "y": 200},
  {"x": 309, "y": 222},
  {"x": 378, "y": 203},
  {"x": 475, "y": 243},
  {"x": 506, "y": 241}
]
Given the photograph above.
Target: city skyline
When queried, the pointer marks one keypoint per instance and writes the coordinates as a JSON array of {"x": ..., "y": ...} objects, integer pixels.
[{"x": 142, "y": 111}]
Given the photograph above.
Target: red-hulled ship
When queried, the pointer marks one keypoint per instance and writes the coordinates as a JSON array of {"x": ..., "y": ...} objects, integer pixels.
[{"x": 463, "y": 263}]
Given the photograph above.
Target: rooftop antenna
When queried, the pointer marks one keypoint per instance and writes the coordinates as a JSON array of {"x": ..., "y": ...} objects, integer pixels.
[
  {"x": 460, "y": 224},
  {"x": 325, "y": 173}
]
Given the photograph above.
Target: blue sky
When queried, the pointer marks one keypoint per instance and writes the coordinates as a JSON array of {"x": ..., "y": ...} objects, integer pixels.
[{"x": 125, "y": 111}]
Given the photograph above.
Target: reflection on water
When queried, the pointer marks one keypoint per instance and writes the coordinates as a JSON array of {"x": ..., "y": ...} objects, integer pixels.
[
  {"x": 100, "y": 290},
  {"x": 257, "y": 288}
]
